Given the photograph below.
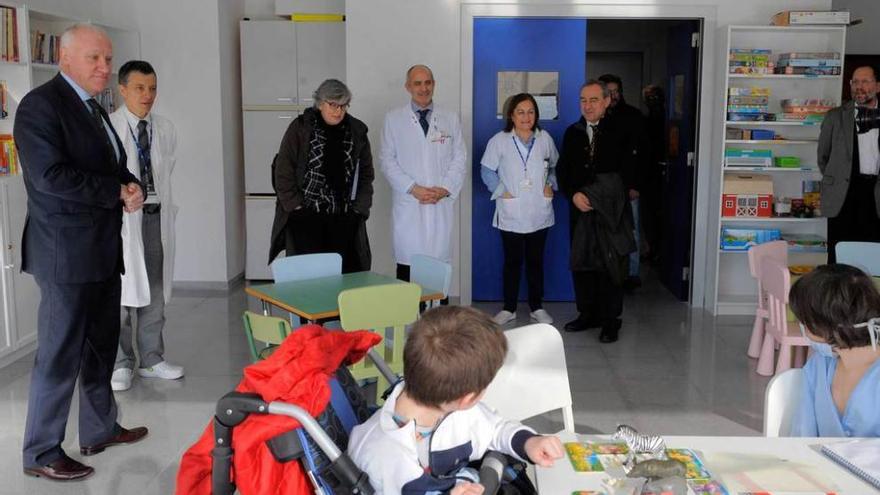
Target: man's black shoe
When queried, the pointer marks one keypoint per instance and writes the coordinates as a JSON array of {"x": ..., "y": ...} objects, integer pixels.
[
  {"x": 582, "y": 323},
  {"x": 610, "y": 331}
]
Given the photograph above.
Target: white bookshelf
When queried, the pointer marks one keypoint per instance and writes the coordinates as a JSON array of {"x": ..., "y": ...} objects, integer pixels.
[
  {"x": 735, "y": 290},
  {"x": 19, "y": 295}
]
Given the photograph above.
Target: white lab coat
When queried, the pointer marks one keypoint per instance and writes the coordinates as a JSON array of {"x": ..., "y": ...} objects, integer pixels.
[
  {"x": 528, "y": 210},
  {"x": 408, "y": 157},
  {"x": 135, "y": 285}
]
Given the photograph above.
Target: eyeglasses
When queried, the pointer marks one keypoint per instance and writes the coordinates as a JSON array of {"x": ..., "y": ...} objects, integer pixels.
[{"x": 336, "y": 106}]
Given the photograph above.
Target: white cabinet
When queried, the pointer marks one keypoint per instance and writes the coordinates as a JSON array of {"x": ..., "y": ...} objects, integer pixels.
[
  {"x": 735, "y": 290},
  {"x": 262, "y": 138},
  {"x": 259, "y": 213},
  {"x": 282, "y": 64},
  {"x": 26, "y": 292},
  {"x": 21, "y": 296},
  {"x": 268, "y": 63},
  {"x": 320, "y": 55}
]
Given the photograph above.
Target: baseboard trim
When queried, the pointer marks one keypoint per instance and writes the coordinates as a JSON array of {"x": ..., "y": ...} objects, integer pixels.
[
  {"x": 17, "y": 354},
  {"x": 215, "y": 287}
]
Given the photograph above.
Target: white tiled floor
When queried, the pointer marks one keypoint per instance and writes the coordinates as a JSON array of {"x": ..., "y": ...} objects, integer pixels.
[{"x": 674, "y": 371}]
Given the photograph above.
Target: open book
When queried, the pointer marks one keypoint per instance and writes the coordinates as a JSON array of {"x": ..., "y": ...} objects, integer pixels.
[{"x": 862, "y": 457}]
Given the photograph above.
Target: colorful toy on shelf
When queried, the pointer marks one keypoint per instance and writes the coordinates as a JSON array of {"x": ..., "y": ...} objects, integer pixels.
[
  {"x": 747, "y": 196},
  {"x": 742, "y": 239}
]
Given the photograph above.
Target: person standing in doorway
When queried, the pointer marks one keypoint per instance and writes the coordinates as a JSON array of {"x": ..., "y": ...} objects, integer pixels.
[
  {"x": 150, "y": 142},
  {"x": 633, "y": 121},
  {"x": 77, "y": 186},
  {"x": 423, "y": 157},
  {"x": 651, "y": 193},
  {"x": 849, "y": 158},
  {"x": 518, "y": 167},
  {"x": 595, "y": 172}
]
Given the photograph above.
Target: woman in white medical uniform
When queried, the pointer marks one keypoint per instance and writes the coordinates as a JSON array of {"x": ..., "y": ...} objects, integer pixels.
[{"x": 518, "y": 167}]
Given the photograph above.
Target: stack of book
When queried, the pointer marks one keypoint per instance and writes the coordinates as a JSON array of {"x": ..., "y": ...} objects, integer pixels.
[
  {"x": 736, "y": 239},
  {"x": 8, "y": 156},
  {"x": 9, "y": 34},
  {"x": 748, "y": 104},
  {"x": 805, "y": 109},
  {"x": 748, "y": 158},
  {"x": 750, "y": 61},
  {"x": 809, "y": 63},
  {"x": 44, "y": 47},
  {"x": 805, "y": 243}
]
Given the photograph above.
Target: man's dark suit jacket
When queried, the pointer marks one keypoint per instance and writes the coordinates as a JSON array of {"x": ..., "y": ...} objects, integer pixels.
[
  {"x": 72, "y": 177},
  {"x": 600, "y": 239}
]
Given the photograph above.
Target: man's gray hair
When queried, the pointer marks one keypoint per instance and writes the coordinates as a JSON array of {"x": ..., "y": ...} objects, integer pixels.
[
  {"x": 69, "y": 33},
  {"x": 596, "y": 82},
  {"x": 332, "y": 91}
]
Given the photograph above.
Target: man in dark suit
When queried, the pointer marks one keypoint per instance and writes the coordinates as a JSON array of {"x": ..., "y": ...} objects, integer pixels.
[
  {"x": 595, "y": 173},
  {"x": 77, "y": 185},
  {"x": 849, "y": 159}
]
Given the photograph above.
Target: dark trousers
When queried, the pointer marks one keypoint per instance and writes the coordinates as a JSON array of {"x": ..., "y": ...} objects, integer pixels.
[
  {"x": 403, "y": 274},
  {"x": 309, "y": 232},
  {"x": 597, "y": 296},
  {"x": 77, "y": 337},
  {"x": 519, "y": 248},
  {"x": 857, "y": 220}
]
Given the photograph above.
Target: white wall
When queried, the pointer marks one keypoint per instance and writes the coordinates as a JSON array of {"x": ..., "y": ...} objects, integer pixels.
[
  {"x": 231, "y": 137},
  {"x": 384, "y": 37},
  {"x": 861, "y": 39},
  {"x": 190, "y": 45}
]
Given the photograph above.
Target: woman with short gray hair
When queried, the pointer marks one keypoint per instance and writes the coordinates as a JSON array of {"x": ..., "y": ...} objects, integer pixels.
[{"x": 323, "y": 178}]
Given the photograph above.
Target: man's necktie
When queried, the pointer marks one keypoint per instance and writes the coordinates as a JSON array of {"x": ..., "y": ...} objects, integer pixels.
[
  {"x": 593, "y": 139},
  {"x": 423, "y": 119},
  {"x": 97, "y": 115},
  {"x": 144, "y": 157}
]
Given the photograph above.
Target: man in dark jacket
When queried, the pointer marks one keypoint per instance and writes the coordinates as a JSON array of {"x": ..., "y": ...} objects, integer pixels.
[
  {"x": 594, "y": 172},
  {"x": 632, "y": 120},
  {"x": 77, "y": 186}
]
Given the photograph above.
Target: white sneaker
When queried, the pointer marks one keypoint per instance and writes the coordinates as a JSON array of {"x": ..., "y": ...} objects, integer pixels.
[
  {"x": 121, "y": 379},
  {"x": 541, "y": 316},
  {"x": 162, "y": 370},
  {"x": 504, "y": 316}
]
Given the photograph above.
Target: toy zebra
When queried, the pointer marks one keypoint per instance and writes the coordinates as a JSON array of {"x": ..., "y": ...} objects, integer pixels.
[{"x": 639, "y": 444}]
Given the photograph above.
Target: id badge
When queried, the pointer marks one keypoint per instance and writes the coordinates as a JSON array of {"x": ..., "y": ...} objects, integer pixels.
[{"x": 525, "y": 185}]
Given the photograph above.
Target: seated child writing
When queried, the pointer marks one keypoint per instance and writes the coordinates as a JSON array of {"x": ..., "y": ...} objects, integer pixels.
[
  {"x": 839, "y": 310},
  {"x": 433, "y": 423}
]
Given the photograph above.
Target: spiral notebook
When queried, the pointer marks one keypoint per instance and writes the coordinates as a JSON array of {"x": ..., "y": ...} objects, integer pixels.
[{"x": 862, "y": 457}]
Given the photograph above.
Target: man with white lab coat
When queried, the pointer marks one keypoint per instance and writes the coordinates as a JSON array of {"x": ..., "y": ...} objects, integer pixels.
[
  {"x": 423, "y": 157},
  {"x": 150, "y": 143}
]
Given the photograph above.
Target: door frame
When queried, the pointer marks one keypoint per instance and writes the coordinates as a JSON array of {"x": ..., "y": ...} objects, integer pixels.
[{"x": 701, "y": 244}]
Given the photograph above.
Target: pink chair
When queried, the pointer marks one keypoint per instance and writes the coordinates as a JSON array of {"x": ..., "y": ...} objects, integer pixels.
[
  {"x": 776, "y": 281},
  {"x": 777, "y": 250}
]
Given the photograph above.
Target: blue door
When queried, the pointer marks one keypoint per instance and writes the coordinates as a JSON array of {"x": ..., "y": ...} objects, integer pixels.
[
  {"x": 677, "y": 191},
  {"x": 522, "y": 44}
]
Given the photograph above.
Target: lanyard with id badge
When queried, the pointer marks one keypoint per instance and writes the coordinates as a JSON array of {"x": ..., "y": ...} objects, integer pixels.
[{"x": 525, "y": 184}]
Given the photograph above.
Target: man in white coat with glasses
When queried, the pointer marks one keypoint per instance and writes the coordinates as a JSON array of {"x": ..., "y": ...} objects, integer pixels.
[
  {"x": 423, "y": 157},
  {"x": 150, "y": 143}
]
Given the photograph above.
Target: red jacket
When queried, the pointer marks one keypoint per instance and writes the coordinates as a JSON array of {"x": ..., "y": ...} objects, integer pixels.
[{"x": 296, "y": 373}]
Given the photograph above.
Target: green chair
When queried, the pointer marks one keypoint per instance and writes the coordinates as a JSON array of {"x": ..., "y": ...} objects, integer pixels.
[
  {"x": 269, "y": 331},
  {"x": 379, "y": 308}
]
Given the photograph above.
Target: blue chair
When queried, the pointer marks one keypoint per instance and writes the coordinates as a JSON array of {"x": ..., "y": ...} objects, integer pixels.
[
  {"x": 862, "y": 255},
  {"x": 305, "y": 267},
  {"x": 431, "y": 274}
]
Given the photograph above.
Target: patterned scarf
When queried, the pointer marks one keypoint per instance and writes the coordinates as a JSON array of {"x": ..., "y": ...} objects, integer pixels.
[{"x": 318, "y": 193}]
